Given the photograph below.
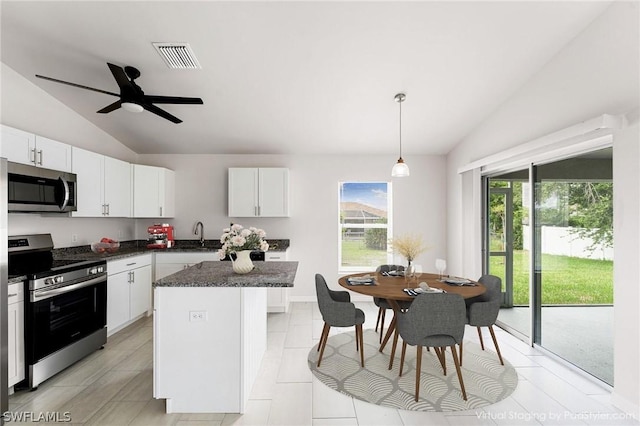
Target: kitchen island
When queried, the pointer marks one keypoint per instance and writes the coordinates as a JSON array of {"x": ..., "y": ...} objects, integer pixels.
[{"x": 210, "y": 333}]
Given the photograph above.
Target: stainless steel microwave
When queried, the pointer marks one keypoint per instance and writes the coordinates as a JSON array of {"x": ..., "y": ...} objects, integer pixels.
[{"x": 35, "y": 189}]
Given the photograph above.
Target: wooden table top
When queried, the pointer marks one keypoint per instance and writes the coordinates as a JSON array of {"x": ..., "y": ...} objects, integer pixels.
[{"x": 391, "y": 288}]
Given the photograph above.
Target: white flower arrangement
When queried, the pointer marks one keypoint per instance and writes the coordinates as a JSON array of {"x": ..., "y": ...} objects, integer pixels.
[{"x": 237, "y": 238}]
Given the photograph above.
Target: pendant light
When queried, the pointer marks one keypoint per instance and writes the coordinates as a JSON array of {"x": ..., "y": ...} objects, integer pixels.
[{"x": 400, "y": 169}]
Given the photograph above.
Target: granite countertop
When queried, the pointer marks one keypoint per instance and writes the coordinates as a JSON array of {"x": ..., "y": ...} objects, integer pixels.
[
  {"x": 220, "y": 274},
  {"x": 135, "y": 248},
  {"x": 18, "y": 279}
]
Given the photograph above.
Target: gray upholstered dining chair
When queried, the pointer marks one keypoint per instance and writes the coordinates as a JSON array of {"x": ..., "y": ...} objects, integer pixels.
[
  {"x": 482, "y": 311},
  {"x": 382, "y": 304},
  {"x": 338, "y": 311},
  {"x": 435, "y": 320}
]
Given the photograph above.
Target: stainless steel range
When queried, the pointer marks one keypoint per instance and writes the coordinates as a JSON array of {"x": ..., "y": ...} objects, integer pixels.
[{"x": 66, "y": 311}]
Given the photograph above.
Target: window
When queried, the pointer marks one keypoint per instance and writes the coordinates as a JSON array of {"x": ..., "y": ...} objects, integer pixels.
[{"x": 365, "y": 225}]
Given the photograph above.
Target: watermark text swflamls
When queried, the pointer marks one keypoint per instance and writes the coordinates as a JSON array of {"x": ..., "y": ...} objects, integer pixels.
[{"x": 42, "y": 416}]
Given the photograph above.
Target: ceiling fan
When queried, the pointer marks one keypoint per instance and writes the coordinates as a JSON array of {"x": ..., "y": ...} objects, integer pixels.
[{"x": 132, "y": 98}]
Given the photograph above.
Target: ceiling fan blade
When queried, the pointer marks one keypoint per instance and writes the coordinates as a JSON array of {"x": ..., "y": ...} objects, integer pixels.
[
  {"x": 171, "y": 100},
  {"x": 119, "y": 75},
  {"x": 162, "y": 113},
  {"x": 114, "y": 106},
  {"x": 77, "y": 85}
]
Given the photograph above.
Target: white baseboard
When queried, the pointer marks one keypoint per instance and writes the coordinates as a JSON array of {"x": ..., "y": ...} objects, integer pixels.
[{"x": 354, "y": 298}]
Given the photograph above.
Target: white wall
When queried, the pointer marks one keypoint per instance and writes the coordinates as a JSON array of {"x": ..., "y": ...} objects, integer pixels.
[
  {"x": 597, "y": 73},
  {"x": 25, "y": 106},
  {"x": 201, "y": 195}
]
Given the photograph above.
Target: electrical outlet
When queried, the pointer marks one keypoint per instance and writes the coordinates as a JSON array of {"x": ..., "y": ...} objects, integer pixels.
[
  {"x": 197, "y": 316},
  {"x": 74, "y": 238}
]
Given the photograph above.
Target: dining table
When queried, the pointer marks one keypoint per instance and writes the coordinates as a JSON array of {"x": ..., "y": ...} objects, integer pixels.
[{"x": 392, "y": 288}]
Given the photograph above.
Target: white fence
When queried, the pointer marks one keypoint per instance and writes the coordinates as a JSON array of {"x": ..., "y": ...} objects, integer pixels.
[{"x": 564, "y": 241}]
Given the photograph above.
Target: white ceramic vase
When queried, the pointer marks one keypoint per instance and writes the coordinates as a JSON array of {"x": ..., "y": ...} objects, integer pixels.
[{"x": 243, "y": 263}]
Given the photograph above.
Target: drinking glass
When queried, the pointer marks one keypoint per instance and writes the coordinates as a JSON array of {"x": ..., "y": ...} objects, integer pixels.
[{"x": 441, "y": 265}]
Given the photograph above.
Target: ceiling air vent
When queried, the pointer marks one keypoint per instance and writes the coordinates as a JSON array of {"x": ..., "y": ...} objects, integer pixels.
[{"x": 177, "y": 55}]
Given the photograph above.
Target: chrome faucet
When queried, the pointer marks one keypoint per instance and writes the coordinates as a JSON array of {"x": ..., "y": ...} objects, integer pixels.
[{"x": 195, "y": 232}]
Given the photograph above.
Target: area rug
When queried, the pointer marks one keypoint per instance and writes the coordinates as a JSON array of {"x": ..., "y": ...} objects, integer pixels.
[{"x": 485, "y": 380}]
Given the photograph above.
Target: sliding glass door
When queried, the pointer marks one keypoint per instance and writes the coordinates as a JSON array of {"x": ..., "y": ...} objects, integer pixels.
[
  {"x": 573, "y": 255},
  {"x": 566, "y": 304},
  {"x": 508, "y": 252}
]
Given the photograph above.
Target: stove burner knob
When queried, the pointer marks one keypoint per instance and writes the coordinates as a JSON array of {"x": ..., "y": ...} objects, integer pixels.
[
  {"x": 96, "y": 270},
  {"x": 54, "y": 280}
]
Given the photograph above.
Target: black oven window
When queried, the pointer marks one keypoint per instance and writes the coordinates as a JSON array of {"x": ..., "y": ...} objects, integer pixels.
[{"x": 66, "y": 318}]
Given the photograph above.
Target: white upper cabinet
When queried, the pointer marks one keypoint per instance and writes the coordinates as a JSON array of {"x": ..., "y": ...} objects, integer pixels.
[
  {"x": 104, "y": 185},
  {"x": 258, "y": 192},
  {"x": 153, "y": 191},
  {"x": 26, "y": 148},
  {"x": 117, "y": 187}
]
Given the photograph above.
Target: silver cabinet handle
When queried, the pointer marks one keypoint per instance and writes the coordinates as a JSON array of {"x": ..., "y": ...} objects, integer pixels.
[
  {"x": 12, "y": 295},
  {"x": 40, "y": 154},
  {"x": 107, "y": 205},
  {"x": 32, "y": 159}
]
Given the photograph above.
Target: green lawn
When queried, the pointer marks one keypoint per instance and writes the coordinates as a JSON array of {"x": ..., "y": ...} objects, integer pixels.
[
  {"x": 353, "y": 253},
  {"x": 565, "y": 280}
]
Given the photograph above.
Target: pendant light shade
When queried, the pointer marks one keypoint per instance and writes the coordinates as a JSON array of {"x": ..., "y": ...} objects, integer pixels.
[{"x": 400, "y": 169}]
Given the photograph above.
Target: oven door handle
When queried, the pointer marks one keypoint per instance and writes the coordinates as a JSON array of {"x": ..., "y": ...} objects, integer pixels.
[{"x": 41, "y": 295}]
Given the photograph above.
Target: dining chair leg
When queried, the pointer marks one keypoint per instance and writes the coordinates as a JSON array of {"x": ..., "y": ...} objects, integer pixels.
[
  {"x": 460, "y": 353},
  {"x": 378, "y": 319},
  {"x": 480, "y": 336},
  {"x": 404, "y": 350},
  {"x": 495, "y": 343},
  {"x": 384, "y": 314},
  {"x": 360, "y": 337},
  {"x": 455, "y": 361},
  {"x": 418, "y": 367},
  {"x": 323, "y": 339},
  {"x": 324, "y": 330},
  {"x": 393, "y": 348},
  {"x": 357, "y": 339},
  {"x": 443, "y": 362}
]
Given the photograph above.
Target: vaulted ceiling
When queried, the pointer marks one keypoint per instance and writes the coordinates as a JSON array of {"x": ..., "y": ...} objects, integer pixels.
[{"x": 293, "y": 77}]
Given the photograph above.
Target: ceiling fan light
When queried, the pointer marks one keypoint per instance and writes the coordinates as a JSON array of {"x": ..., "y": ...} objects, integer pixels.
[
  {"x": 131, "y": 107},
  {"x": 400, "y": 169}
]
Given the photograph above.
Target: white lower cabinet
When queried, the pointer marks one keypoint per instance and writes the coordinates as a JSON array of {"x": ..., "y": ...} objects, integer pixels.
[
  {"x": 278, "y": 297},
  {"x": 169, "y": 263},
  {"x": 15, "y": 325},
  {"x": 128, "y": 290}
]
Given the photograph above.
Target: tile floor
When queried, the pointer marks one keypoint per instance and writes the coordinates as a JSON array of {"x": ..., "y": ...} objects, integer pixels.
[{"x": 114, "y": 387}]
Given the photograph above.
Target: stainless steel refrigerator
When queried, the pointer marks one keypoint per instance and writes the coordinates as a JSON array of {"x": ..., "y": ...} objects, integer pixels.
[{"x": 4, "y": 353}]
